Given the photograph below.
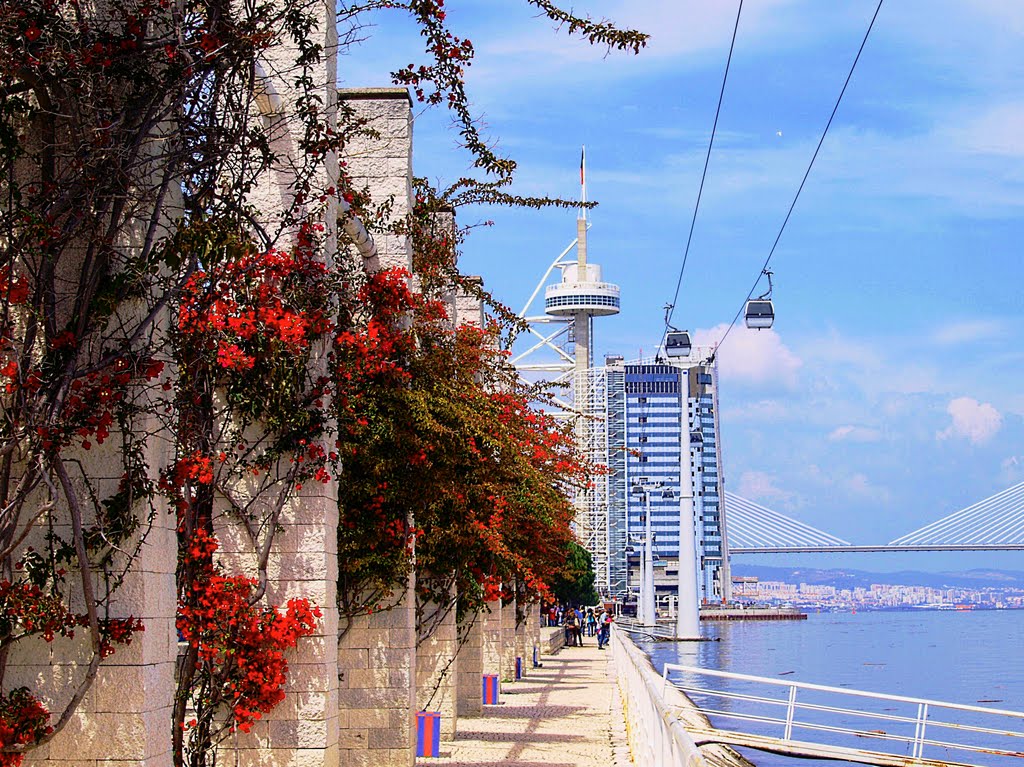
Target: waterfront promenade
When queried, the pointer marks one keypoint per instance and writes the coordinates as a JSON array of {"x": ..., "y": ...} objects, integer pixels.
[{"x": 565, "y": 714}]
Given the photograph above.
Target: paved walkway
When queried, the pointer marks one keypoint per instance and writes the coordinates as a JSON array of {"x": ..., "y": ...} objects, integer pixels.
[{"x": 566, "y": 714}]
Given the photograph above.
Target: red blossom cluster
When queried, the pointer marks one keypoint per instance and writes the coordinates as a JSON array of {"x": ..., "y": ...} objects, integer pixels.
[
  {"x": 258, "y": 305},
  {"x": 23, "y": 720},
  {"x": 28, "y": 610},
  {"x": 241, "y": 645},
  {"x": 90, "y": 408}
]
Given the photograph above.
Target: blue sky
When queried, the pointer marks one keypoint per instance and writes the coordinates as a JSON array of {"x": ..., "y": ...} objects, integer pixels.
[{"x": 891, "y": 390}]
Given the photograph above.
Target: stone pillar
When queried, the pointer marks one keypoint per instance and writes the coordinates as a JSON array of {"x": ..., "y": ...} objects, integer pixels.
[
  {"x": 523, "y": 650},
  {"x": 492, "y": 643},
  {"x": 377, "y": 696},
  {"x": 470, "y": 665},
  {"x": 303, "y": 564},
  {"x": 508, "y": 641},
  {"x": 469, "y": 309},
  {"x": 377, "y": 654},
  {"x": 535, "y": 635},
  {"x": 126, "y": 715},
  {"x": 437, "y": 662},
  {"x": 383, "y": 163}
]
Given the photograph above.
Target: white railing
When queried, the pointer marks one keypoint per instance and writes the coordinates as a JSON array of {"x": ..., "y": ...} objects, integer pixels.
[
  {"x": 898, "y": 725},
  {"x": 570, "y": 288},
  {"x": 656, "y": 737},
  {"x": 645, "y": 630}
]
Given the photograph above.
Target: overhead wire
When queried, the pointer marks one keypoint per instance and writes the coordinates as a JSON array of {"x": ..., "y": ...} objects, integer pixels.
[
  {"x": 670, "y": 309},
  {"x": 803, "y": 181}
]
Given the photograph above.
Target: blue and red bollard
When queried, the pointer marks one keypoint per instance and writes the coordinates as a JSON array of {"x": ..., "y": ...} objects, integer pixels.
[
  {"x": 490, "y": 689},
  {"x": 428, "y": 733}
]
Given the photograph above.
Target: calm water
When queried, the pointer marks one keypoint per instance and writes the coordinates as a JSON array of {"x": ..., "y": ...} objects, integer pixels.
[{"x": 960, "y": 657}]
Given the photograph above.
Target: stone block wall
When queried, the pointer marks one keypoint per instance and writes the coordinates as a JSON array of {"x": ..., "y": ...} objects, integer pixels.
[
  {"x": 437, "y": 666},
  {"x": 377, "y": 690},
  {"x": 349, "y": 701},
  {"x": 508, "y": 641},
  {"x": 493, "y": 648},
  {"x": 469, "y": 701}
]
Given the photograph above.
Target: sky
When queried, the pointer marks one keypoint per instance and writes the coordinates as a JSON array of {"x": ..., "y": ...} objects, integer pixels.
[{"x": 890, "y": 391}]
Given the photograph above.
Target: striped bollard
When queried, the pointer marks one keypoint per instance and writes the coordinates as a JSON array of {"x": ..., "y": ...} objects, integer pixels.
[
  {"x": 428, "y": 733},
  {"x": 490, "y": 689}
]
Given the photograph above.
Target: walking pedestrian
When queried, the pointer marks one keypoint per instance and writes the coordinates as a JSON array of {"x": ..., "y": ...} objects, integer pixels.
[
  {"x": 591, "y": 622},
  {"x": 571, "y": 627},
  {"x": 604, "y": 633}
]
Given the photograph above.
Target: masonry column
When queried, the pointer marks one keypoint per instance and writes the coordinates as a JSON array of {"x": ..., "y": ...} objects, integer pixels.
[
  {"x": 471, "y": 665},
  {"x": 437, "y": 661},
  {"x": 377, "y": 652},
  {"x": 126, "y": 715},
  {"x": 523, "y": 611},
  {"x": 492, "y": 639},
  {"x": 508, "y": 643}
]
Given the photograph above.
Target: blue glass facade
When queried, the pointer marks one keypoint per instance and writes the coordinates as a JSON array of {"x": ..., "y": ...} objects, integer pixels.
[{"x": 656, "y": 411}]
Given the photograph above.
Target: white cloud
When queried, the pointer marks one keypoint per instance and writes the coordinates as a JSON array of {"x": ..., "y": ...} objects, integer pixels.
[
  {"x": 977, "y": 422},
  {"x": 752, "y": 356},
  {"x": 763, "y": 410},
  {"x": 760, "y": 486},
  {"x": 1013, "y": 468},
  {"x": 996, "y": 131},
  {"x": 854, "y": 434},
  {"x": 968, "y": 331},
  {"x": 855, "y": 484}
]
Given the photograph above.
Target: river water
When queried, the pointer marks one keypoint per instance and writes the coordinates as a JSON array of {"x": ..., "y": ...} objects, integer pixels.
[{"x": 970, "y": 657}]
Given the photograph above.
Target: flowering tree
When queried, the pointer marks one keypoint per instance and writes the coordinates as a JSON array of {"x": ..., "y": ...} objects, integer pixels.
[{"x": 443, "y": 449}]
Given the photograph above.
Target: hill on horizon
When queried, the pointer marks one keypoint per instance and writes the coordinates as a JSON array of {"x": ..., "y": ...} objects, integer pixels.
[{"x": 845, "y": 578}]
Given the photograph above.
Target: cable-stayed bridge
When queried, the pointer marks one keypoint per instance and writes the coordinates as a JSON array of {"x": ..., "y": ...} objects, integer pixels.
[{"x": 993, "y": 524}]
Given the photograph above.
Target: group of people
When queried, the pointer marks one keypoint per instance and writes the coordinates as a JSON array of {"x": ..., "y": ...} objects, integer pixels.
[{"x": 580, "y": 621}]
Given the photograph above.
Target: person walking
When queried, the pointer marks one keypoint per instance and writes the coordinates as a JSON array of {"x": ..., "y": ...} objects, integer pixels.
[
  {"x": 571, "y": 626},
  {"x": 591, "y": 622},
  {"x": 604, "y": 633}
]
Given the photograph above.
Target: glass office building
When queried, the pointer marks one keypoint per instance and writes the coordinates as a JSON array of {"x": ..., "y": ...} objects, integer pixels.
[{"x": 655, "y": 412}]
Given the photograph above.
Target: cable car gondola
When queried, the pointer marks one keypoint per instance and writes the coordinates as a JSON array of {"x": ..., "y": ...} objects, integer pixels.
[
  {"x": 760, "y": 312},
  {"x": 677, "y": 343}
]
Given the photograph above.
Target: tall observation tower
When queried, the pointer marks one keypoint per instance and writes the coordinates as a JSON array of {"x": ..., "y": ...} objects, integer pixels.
[
  {"x": 562, "y": 353},
  {"x": 581, "y": 296}
]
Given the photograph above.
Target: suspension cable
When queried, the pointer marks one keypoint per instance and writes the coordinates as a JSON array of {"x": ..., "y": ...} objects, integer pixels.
[
  {"x": 707, "y": 157},
  {"x": 807, "y": 173}
]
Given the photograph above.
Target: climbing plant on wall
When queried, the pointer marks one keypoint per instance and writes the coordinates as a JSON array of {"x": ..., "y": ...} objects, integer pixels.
[{"x": 146, "y": 301}]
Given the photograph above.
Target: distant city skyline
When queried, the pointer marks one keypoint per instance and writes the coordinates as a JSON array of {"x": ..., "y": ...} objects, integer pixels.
[{"x": 888, "y": 393}]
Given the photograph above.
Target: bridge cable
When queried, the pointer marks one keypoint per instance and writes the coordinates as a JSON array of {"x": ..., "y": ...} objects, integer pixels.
[
  {"x": 807, "y": 173},
  {"x": 700, "y": 191}
]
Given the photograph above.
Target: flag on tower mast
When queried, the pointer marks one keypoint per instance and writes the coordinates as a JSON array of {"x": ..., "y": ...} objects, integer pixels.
[{"x": 583, "y": 180}]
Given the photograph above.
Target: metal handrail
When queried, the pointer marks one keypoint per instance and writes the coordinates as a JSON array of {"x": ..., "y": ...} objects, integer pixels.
[
  {"x": 656, "y": 737},
  {"x": 921, "y": 719},
  {"x": 558, "y": 287}
]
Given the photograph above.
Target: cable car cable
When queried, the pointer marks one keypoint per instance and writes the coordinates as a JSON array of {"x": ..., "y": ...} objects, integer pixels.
[
  {"x": 807, "y": 173},
  {"x": 707, "y": 159}
]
